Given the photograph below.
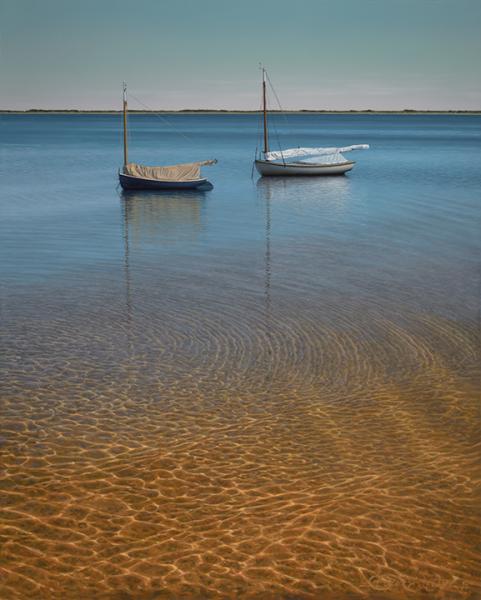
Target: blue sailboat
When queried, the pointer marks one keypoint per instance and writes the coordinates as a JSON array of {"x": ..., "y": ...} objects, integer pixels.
[{"x": 133, "y": 176}]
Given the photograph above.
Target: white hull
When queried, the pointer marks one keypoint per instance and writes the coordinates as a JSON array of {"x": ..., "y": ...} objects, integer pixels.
[{"x": 268, "y": 168}]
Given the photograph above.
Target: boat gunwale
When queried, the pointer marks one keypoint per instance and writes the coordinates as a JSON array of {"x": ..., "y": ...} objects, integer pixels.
[
  {"x": 201, "y": 180},
  {"x": 303, "y": 164}
]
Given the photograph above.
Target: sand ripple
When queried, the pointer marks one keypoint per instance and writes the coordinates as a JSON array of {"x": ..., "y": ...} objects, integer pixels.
[{"x": 261, "y": 450}]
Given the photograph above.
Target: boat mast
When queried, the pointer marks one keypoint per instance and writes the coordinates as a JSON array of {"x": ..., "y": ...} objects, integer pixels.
[
  {"x": 266, "y": 137},
  {"x": 125, "y": 124}
]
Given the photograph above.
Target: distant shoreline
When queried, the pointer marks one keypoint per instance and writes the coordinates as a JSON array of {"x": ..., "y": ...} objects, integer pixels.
[{"x": 39, "y": 111}]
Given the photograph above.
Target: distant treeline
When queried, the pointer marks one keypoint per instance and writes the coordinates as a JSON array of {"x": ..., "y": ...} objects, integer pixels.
[{"x": 224, "y": 111}]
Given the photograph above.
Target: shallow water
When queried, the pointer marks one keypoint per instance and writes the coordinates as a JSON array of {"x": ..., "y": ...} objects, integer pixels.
[{"x": 267, "y": 390}]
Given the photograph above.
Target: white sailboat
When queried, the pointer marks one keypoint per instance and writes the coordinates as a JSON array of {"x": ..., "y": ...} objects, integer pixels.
[
  {"x": 185, "y": 176},
  {"x": 301, "y": 161}
]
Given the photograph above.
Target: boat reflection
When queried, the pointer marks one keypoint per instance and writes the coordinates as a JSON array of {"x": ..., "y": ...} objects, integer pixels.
[
  {"x": 156, "y": 218},
  {"x": 166, "y": 217},
  {"x": 328, "y": 193},
  {"x": 297, "y": 198}
]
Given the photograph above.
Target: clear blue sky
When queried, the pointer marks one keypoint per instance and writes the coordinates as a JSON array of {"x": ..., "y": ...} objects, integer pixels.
[{"x": 175, "y": 54}]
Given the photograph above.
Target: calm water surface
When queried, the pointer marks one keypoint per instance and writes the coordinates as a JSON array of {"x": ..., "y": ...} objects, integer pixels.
[{"x": 267, "y": 390}]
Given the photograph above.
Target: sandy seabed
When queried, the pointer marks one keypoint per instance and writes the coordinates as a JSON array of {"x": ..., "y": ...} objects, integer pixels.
[{"x": 220, "y": 455}]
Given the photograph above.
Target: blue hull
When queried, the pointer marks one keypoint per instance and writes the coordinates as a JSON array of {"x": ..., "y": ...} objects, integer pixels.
[{"x": 128, "y": 182}]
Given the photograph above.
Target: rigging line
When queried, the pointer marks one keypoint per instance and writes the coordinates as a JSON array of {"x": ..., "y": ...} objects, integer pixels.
[
  {"x": 258, "y": 138},
  {"x": 277, "y": 98},
  {"x": 189, "y": 139},
  {"x": 258, "y": 132},
  {"x": 259, "y": 124},
  {"x": 273, "y": 121}
]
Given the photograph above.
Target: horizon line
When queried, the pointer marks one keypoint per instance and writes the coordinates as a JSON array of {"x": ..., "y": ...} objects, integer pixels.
[{"x": 223, "y": 110}]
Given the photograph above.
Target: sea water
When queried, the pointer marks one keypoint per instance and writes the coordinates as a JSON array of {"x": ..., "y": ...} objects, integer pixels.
[{"x": 269, "y": 389}]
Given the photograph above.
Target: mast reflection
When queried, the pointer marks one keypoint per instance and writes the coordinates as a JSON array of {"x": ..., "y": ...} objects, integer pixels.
[{"x": 160, "y": 219}]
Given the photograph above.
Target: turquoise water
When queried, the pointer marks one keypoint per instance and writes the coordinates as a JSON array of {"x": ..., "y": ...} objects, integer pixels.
[
  {"x": 270, "y": 387},
  {"x": 407, "y": 215}
]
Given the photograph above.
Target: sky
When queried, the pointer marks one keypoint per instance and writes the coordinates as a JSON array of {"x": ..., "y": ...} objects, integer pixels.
[{"x": 178, "y": 54}]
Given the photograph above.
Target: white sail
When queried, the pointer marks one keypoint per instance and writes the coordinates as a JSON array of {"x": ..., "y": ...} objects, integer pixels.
[{"x": 312, "y": 152}]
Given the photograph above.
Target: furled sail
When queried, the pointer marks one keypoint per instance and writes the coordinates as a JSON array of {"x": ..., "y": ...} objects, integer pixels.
[
  {"x": 182, "y": 172},
  {"x": 324, "y": 152}
]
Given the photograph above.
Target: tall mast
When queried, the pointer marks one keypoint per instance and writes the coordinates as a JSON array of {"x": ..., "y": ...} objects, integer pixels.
[
  {"x": 266, "y": 137},
  {"x": 125, "y": 125}
]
